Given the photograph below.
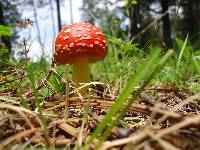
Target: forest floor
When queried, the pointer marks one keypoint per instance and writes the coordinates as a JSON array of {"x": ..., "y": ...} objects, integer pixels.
[{"x": 163, "y": 117}]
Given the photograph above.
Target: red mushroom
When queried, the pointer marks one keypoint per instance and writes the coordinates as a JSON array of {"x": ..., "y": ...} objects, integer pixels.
[{"x": 79, "y": 44}]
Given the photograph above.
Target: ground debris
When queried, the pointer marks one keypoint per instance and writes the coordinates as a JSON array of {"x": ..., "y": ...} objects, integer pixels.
[{"x": 163, "y": 116}]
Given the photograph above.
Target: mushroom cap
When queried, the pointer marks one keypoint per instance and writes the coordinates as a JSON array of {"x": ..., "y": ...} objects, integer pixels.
[{"x": 80, "y": 40}]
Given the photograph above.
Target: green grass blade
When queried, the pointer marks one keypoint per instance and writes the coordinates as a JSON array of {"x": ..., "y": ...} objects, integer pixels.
[
  {"x": 32, "y": 80},
  {"x": 182, "y": 51},
  {"x": 196, "y": 63},
  {"x": 140, "y": 75},
  {"x": 125, "y": 109}
]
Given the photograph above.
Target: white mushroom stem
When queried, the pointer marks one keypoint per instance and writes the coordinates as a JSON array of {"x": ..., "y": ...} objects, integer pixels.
[{"x": 81, "y": 72}]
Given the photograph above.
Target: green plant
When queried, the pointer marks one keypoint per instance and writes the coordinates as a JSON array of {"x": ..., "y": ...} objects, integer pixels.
[
  {"x": 183, "y": 68},
  {"x": 5, "y": 31},
  {"x": 119, "y": 108}
]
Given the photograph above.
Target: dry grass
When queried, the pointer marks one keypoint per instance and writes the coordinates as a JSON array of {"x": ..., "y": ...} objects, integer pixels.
[{"x": 164, "y": 117}]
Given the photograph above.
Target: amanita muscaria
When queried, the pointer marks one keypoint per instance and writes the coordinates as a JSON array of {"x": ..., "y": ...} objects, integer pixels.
[{"x": 79, "y": 44}]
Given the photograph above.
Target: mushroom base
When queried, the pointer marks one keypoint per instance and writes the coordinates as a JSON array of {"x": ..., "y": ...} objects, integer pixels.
[{"x": 81, "y": 73}]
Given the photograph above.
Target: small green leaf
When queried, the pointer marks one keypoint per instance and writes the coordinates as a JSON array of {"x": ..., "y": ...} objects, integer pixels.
[{"x": 5, "y": 31}]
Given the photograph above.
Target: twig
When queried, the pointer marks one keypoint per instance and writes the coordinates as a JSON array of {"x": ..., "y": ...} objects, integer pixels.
[
  {"x": 149, "y": 26},
  {"x": 8, "y": 99},
  {"x": 188, "y": 121},
  {"x": 142, "y": 135},
  {"x": 66, "y": 112},
  {"x": 18, "y": 110},
  {"x": 178, "y": 106},
  {"x": 188, "y": 100},
  {"x": 18, "y": 136},
  {"x": 68, "y": 128},
  {"x": 166, "y": 145},
  {"x": 146, "y": 110},
  {"x": 58, "y": 142},
  {"x": 135, "y": 139},
  {"x": 21, "y": 111},
  {"x": 107, "y": 103}
]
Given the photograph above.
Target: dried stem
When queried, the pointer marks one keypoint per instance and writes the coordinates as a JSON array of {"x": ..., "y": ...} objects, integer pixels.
[{"x": 66, "y": 93}]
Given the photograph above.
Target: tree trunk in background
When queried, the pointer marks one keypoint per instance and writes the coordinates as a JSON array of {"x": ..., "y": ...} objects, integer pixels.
[
  {"x": 134, "y": 16},
  {"x": 5, "y": 40},
  {"x": 37, "y": 27},
  {"x": 191, "y": 20},
  {"x": 71, "y": 12},
  {"x": 52, "y": 18},
  {"x": 58, "y": 14},
  {"x": 166, "y": 29}
]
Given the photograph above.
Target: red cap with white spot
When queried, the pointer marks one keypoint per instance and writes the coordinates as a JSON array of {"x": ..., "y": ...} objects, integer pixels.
[{"x": 80, "y": 40}]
